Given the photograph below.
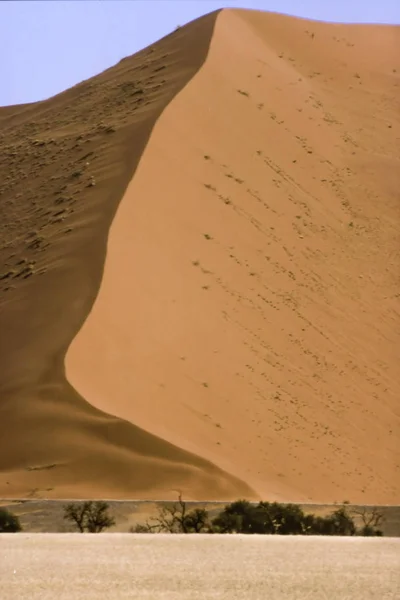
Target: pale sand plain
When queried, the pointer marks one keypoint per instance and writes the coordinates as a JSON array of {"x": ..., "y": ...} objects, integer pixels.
[
  {"x": 199, "y": 281},
  {"x": 198, "y": 567}
]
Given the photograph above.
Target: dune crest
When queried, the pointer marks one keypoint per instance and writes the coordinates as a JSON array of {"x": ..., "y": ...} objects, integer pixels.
[
  {"x": 240, "y": 318},
  {"x": 69, "y": 160}
]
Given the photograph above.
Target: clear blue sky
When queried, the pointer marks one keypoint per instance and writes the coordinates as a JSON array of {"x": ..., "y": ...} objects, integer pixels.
[{"x": 46, "y": 47}]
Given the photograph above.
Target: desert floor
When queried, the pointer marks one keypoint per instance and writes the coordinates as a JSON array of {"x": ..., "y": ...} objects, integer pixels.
[{"x": 162, "y": 567}]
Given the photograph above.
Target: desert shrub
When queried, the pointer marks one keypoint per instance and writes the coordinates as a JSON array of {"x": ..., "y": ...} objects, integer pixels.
[
  {"x": 174, "y": 518},
  {"x": 9, "y": 523},
  {"x": 226, "y": 523},
  {"x": 371, "y": 519},
  {"x": 369, "y": 531},
  {"x": 89, "y": 516},
  {"x": 237, "y": 517},
  {"x": 341, "y": 522},
  {"x": 320, "y": 525},
  {"x": 282, "y": 519},
  {"x": 264, "y": 518},
  {"x": 196, "y": 521}
]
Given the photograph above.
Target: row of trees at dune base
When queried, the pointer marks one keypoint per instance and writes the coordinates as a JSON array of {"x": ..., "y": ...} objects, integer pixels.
[{"x": 271, "y": 518}]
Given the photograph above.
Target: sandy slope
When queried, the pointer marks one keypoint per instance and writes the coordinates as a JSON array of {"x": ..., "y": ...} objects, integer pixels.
[
  {"x": 69, "y": 162},
  {"x": 248, "y": 312}
]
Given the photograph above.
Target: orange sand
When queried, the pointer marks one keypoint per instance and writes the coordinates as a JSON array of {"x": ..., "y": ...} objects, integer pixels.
[{"x": 240, "y": 317}]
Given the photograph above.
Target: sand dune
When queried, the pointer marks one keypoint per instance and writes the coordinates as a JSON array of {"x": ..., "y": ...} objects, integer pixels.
[{"x": 206, "y": 237}]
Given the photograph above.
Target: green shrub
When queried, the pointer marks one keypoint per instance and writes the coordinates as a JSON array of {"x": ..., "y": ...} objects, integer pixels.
[
  {"x": 265, "y": 518},
  {"x": 9, "y": 523}
]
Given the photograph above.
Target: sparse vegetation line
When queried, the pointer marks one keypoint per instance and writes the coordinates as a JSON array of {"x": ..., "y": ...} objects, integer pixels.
[
  {"x": 270, "y": 518},
  {"x": 181, "y": 516}
]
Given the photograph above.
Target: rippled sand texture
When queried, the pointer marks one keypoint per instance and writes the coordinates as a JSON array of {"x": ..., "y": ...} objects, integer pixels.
[
  {"x": 199, "y": 270},
  {"x": 161, "y": 567}
]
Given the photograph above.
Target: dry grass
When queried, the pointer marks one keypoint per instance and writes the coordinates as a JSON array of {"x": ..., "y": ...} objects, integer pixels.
[{"x": 159, "y": 567}]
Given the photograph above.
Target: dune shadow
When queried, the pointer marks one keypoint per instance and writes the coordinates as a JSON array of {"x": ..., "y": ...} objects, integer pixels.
[{"x": 94, "y": 135}]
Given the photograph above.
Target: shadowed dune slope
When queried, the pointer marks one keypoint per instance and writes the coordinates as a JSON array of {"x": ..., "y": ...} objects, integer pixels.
[
  {"x": 66, "y": 164},
  {"x": 247, "y": 318}
]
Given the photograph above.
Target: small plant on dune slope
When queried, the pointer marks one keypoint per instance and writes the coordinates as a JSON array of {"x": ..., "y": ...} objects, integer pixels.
[
  {"x": 9, "y": 523},
  {"x": 89, "y": 516}
]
